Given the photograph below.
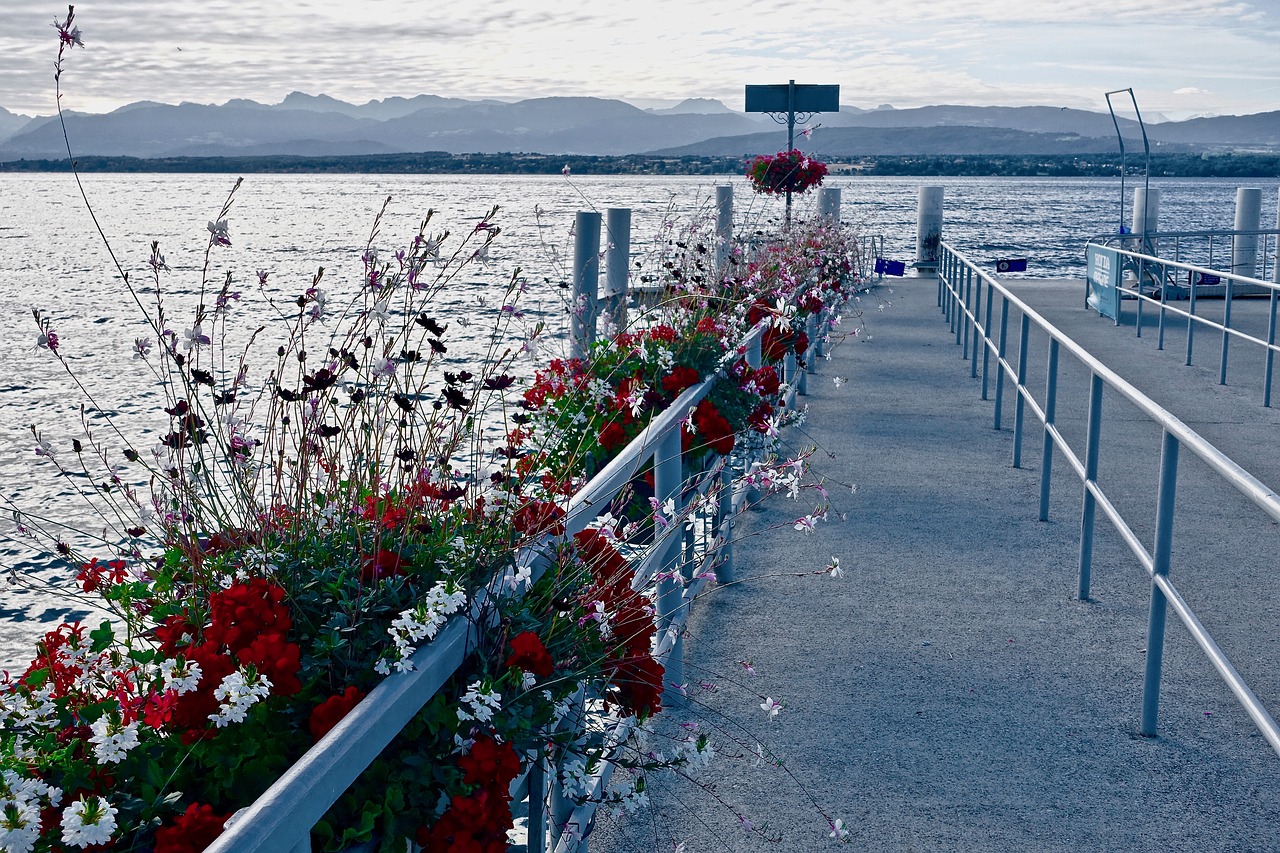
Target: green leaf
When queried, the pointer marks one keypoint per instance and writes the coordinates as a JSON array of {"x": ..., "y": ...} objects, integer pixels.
[{"x": 102, "y": 637}]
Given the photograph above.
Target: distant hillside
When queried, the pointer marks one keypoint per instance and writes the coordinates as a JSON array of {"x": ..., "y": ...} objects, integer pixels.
[
  {"x": 845, "y": 142},
  {"x": 322, "y": 126},
  {"x": 11, "y": 123}
]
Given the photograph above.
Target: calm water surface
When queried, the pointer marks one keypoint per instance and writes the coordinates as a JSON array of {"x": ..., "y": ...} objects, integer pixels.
[{"x": 52, "y": 259}]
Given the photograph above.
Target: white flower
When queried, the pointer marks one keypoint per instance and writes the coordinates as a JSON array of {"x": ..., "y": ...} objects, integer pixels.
[
  {"x": 19, "y": 825},
  {"x": 479, "y": 703},
  {"x": 838, "y": 832},
  {"x": 807, "y": 524},
  {"x": 771, "y": 707},
  {"x": 181, "y": 676},
  {"x": 833, "y": 568},
  {"x": 112, "y": 739},
  {"x": 195, "y": 337},
  {"x": 839, "y": 381},
  {"x": 382, "y": 310},
  {"x": 88, "y": 822},
  {"x": 238, "y": 694},
  {"x": 221, "y": 235}
]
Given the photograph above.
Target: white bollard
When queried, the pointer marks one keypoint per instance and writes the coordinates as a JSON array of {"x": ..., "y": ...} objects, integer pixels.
[
  {"x": 724, "y": 227},
  {"x": 829, "y": 205},
  {"x": 586, "y": 283},
  {"x": 928, "y": 228},
  {"x": 1146, "y": 212},
  {"x": 617, "y": 260},
  {"x": 1244, "y": 247}
]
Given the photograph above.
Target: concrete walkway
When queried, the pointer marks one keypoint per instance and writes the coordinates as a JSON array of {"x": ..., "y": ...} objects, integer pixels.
[{"x": 950, "y": 692}]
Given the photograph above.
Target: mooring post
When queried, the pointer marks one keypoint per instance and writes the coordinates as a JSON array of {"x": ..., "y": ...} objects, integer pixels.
[
  {"x": 586, "y": 283},
  {"x": 829, "y": 205},
  {"x": 928, "y": 228},
  {"x": 1146, "y": 216},
  {"x": 617, "y": 262},
  {"x": 724, "y": 228},
  {"x": 1244, "y": 247}
]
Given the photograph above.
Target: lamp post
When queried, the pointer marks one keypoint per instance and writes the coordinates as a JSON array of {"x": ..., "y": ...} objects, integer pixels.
[{"x": 785, "y": 102}]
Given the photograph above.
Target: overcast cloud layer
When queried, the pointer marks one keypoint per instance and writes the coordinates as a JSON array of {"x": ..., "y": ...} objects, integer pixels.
[{"x": 1182, "y": 57}]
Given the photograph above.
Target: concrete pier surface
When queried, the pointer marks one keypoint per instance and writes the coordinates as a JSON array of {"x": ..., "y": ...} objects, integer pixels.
[{"x": 950, "y": 692}]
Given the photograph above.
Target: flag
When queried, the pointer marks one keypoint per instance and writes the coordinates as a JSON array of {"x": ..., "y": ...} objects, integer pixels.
[{"x": 887, "y": 267}]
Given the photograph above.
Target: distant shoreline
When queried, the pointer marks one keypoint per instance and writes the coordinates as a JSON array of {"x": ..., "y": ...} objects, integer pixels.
[{"x": 443, "y": 163}]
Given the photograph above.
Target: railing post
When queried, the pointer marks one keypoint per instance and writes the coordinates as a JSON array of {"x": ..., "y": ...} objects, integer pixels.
[
  {"x": 724, "y": 526},
  {"x": 965, "y": 305},
  {"x": 1191, "y": 323},
  {"x": 724, "y": 227},
  {"x": 986, "y": 349},
  {"x": 1271, "y": 353},
  {"x": 537, "y": 821},
  {"x": 977, "y": 321},
  {"x": 1000, "y": 352},
  {"x": 1160, "y": 569},
  {"x": 562, "y": 807},
  {"x": 1163, "y": 303},
  {"x": 617, "y": 265},
  {"x": 667, "y": 482},
  {"x": 1019, "y": 403},
  {"x": 1050, "y": 413},
  {"x": 1226, "y": 336},
  {"x": 1092, "y": 443},
  {"x": 586, "y": 282}
]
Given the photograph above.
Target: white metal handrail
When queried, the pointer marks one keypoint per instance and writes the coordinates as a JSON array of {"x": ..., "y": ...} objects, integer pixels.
[{"x": 966, "y": 295}]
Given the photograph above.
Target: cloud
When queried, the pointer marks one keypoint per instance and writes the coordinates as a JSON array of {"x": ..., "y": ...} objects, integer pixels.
[{"x": 1191, "y": 90}]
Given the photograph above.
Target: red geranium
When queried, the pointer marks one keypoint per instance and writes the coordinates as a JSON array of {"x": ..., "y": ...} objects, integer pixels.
[
  {"x": 384, "y": 564},
  {"x": 330, "y": 712},
  {"x": 528, "y": 653},
  {"x": 192, "y": 831},
  {"x": 680, "y": 378},
  {"x": 613, "y": 437}
]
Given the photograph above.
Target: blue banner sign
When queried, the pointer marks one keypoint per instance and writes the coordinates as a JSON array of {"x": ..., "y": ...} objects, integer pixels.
[
  {"x": 1204, "y": 278},
  {"x": 887, "y": 267},
  {"x": 1103, "y": 280},
  {"x": 1011, "y": 265}
]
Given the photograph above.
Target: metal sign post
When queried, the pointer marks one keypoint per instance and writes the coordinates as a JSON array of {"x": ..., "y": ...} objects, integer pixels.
[{"x": 784, "y": 103}]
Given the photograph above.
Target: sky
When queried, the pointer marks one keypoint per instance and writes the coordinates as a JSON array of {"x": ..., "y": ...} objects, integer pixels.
[{"x": 1181, "y": 57}]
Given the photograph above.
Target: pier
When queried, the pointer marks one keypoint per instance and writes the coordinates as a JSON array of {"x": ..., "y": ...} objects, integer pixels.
[{"x": 952, "y": 691}]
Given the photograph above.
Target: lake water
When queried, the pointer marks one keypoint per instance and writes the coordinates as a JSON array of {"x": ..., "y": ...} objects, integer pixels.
[{"x": 52, "y": 259}]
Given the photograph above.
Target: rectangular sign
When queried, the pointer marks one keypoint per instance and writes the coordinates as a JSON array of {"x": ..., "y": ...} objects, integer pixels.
[
  {"x": 1011, "y": 265},
  {"x": 809, "y": 98},
  {"x": 887, "y": 267},
  {"x": 1204, "y": 278},
  {"x": 1103, "y": 280}
]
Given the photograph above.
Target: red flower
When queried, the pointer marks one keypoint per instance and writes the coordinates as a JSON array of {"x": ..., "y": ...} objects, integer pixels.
[
  {"x": 713, "y": 430},
  {"x": 246, "y": 610},
  {"x": 613, "y": 437},
  {"x": 528, "y": 653},
  {"x": 330, "y": 712},
  {"x": 662, "y": 332},
  {"x": 680, "y": 378},
  {"x": 538, "y": 517},
  {"x": 384, "y": 564},
  {"x": 277, "y": 659},
  {"x": 490, "y": 764},
  {"x": 192, "y": 831}
]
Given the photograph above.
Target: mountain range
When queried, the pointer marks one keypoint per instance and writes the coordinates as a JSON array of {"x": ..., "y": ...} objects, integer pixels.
[{"x": 318, "y": 125}]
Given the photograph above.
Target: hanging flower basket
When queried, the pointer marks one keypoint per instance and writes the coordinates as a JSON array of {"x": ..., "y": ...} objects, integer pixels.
[{"x": 775, "y": 174}]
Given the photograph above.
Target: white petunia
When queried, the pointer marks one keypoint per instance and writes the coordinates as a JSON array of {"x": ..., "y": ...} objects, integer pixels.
[{"x": 88, "y": 822}]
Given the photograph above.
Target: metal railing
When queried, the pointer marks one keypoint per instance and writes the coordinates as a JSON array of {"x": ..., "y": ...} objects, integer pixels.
[
  {"x": 1212, "y": 249},
  {"x": 1165, "y": 271},
  {"x": 968, "y": 297},
  {"x": 677, "y": 567}
]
